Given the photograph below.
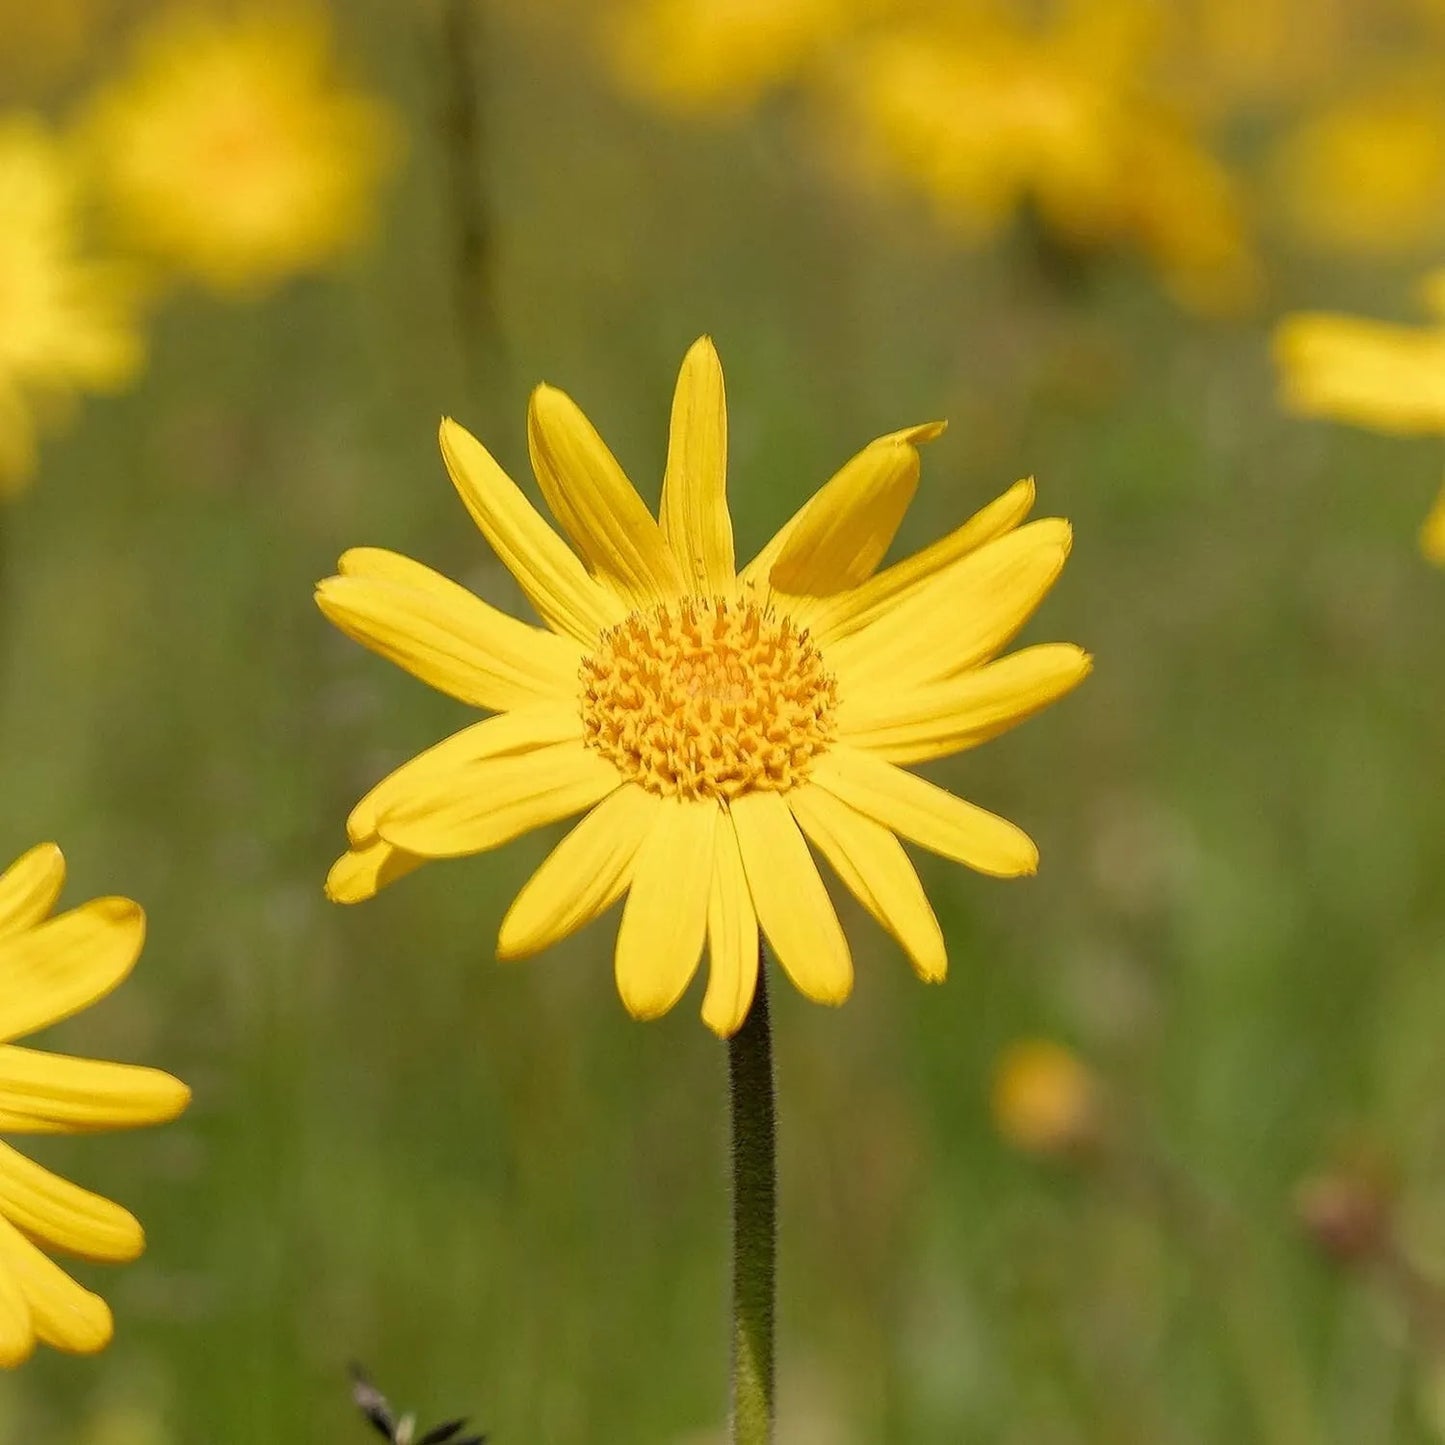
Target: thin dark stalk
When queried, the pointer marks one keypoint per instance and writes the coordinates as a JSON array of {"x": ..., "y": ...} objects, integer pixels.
[{"x": 473, "y": 243}]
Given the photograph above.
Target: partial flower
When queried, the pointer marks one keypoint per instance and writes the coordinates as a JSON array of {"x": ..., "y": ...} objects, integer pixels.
[
  {"x": 713, "y": 721},
  {"x": 700, "y": 56},
  {"x": 53, "y": 968},
  {"x": 1365, "y": 174},
  {"x": 69, "y": 320},
  {"x": 231, "y": 151},
  {"x": 1374, "y": 374}
]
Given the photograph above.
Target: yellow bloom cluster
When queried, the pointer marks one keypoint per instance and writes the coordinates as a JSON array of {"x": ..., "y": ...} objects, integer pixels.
[
  {"x": 979, "y": 109},
  {"x": 228, "y": 152},
  {"x": 712, "y": 720},
  {"x": 1105, "y": 119}
]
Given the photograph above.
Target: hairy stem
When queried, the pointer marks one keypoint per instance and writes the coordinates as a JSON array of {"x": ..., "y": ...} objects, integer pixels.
[{"x": 755, "y": 1194}]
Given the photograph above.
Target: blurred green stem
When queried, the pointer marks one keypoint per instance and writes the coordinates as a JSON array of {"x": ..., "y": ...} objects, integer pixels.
[
  {"x": 755, "y": 1240},
  {"x": 464, "y": 130}
]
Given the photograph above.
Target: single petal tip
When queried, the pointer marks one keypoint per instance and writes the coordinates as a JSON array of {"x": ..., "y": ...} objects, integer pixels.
[{"x": 121, "y": 912}]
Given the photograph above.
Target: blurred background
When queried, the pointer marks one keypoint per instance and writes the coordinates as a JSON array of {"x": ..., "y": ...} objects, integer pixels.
[{"x": 249, "y": 256}]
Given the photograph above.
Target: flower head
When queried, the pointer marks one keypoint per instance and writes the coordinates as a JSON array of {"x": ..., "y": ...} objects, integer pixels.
[
  {"x": 702, "y": 55},
  {"x": 69, "y": 320},
  {"x": 232, "y": 152},
  {"x": 987, "y": 118},
  {"x": 1365, "y": 175},
  {"x": 53, "y": 968},
  {"x": 713, "y": 721},
  {"x": 1374, "y": 374}
]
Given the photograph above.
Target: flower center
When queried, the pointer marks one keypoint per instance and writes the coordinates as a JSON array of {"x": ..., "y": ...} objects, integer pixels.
[{"x": 708, "y": 698}]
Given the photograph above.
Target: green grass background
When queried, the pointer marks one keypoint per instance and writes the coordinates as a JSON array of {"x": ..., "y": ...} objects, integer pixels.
[{"x": 487, "y": 1182}]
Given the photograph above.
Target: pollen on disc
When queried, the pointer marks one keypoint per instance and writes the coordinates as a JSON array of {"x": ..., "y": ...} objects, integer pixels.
[{"x": 708, "y": 698}]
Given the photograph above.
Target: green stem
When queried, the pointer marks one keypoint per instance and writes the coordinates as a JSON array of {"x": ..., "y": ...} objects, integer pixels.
[{"x": 755, "y": 1203}]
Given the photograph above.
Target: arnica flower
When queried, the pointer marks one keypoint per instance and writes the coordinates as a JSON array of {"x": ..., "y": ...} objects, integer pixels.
[
  {"x": 710, "y": 719},
  {"x": 985, "y": 119},
  {"x": 53, "y": 968},
  {"x": 1044, "y": 1100},
  {"x": 69, "y": 320},
  {"x": 1365, "y": 175},
  {"x": 1375, "y": 374},
  {"x": 703, "y": 56},
  {"x": 231, "y": 152}
]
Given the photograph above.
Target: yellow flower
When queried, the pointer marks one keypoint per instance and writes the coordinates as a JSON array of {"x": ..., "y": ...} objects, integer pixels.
[
  {"x": 230, "y": 150},
  {"x": 985, "y": 119},
  {"x": 1366, "y": 175},
  {"x": 716, "y": 55},
  {"x": 53, "y": 968},
  {"x": 1386, "y": 377},
  {"x": 68, "y": 321},
  {"x": 1044, "y": 1100},
  {"x": 710, "y": 719}
]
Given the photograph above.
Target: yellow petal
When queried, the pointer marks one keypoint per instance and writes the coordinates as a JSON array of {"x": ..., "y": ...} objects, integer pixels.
[
  {"x": 53, "y": 1093},
  {"x": 546, "y": 569},
  {"x": 57, "y": 1213},
  {"x": 837, "y": 540},
  {"x": 67, "y": 963},
  {"x": 837, "y": 617},
  {"x": 595, "y": 504},
  {"x": 583, "y": 876},
  {"x": 659, "y": 940},
  {"x": 453, "y": 641},
  {"x": 480, "y": 806},
  {"x": 909, "y": 725},
  {"x": 17, "y": 1329},
  {"x": 694, "y": 511},
  {"x": 877, "y": 872},
  {"x": 962, "y": 617},
  {"x": 381, "y": 565},
  {"x": 29, "y": 888},
  {"x": 1390, "y": 378},
  {"x": 732, "y": 935},
  {"x": 507, "y": 734},
  {"x": 793, "y": 907},
  {"x": 363, "y": 871},
  {"x": 925, "y": 814},
  {"x": 1432, "y": 533},
  {"x": 65, "y": 1316}
]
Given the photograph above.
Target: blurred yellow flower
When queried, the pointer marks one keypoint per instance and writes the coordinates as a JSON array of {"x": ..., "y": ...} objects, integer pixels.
[
  {"x": 231, "y": 151},
  {"x": 987, "y": 118},
  {"x": 711, "y": 720},
  {"x": 1229, "y": 54},
  {"x": 1366, "y": 175},
  {"x": 716, "y": 55},
  {"x": 1374, "y": 374},
  {"x": 1044, "y": 1100},
  {"x": 54, "y": 967},
  {"x": 68, "y": 320}
]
